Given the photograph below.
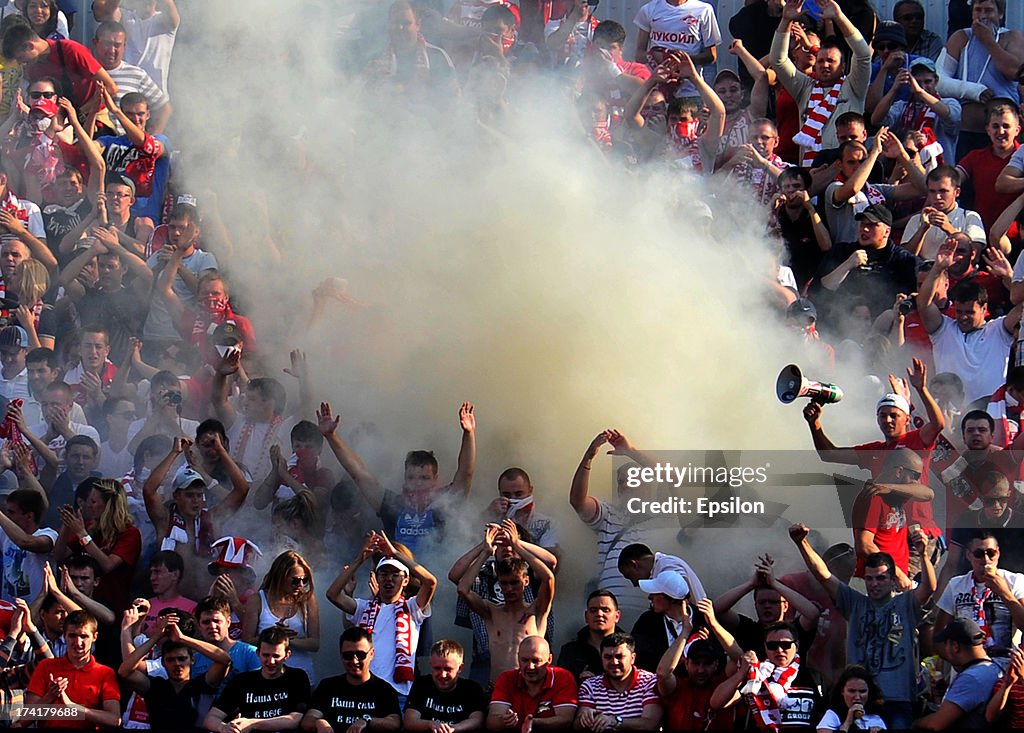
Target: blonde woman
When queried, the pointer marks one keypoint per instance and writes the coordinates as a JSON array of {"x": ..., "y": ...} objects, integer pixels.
[
  {"x": 28, "y": 285},
  {"x": 287, "y": 599},
  {"x": 102, "y": 528}
]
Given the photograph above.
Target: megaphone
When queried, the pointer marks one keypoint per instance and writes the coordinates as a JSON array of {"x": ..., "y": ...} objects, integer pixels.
[{"x": 792, "y": 384}]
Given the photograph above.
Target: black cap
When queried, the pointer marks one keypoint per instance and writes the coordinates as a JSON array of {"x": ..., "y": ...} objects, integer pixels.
[
  {"x": 227, "y": 334},
  {"x": 704, "y": 649},
  {"x": 802, "y": 307},
  {"x": 963, "y": 631},
  {"x": 876, "y": 213},
  {"x": 890, "y": 30}
]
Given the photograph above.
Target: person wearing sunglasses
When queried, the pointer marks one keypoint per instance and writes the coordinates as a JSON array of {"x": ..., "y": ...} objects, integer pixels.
[
  {"x": 781, "y": 693},
  {"x": 880, "y": 514},
  {"x": 357, "y": 700},
  {"x": 988, "y": 595},
  {"x": 272, "y": 696},
  {"x": 880, "y": 623}
]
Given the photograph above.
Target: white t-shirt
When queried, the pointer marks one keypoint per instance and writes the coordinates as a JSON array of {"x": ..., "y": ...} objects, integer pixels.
[
  {"x": 254, "y": 453},
  {"x": 23, "y": 570},
  {"x": 17, "y": 387},
  {"x": 690, "y": 27},
  {"x": 383, "y": 664},
  {"x": 160, "y": 324},
  {"x": 963, "y": 220},
  {"x": 831, "y": 721},
  {"x": 963, "y": 599},
  {"x": 978, "y": 358},
  {"x": 150, "y": 43}
]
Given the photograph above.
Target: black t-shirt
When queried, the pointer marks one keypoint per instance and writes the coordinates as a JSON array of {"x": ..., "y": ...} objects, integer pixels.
[
  {"x": 452, "y": 706},
  {"x": 343, "y": 703},
  {"x": 250, "y": 695},
  {"x": 750, "y": 636},
  {"x": 176, "y": 712},
  {"x": 121, "y": 312},
  {"x": 59, "y": 220}
]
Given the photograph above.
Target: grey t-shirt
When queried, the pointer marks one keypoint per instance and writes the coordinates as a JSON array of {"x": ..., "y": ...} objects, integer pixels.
[
  {"x": 881, "y": 637},
  {"x": 970, "y": 692}
]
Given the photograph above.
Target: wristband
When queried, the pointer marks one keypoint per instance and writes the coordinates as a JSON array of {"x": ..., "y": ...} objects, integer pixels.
[{"x": 86, "y": 539}]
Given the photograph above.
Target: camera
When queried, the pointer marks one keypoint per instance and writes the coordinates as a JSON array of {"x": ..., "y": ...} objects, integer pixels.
[
  {"x": 906, "y": 306},
  {"x": 173, "y": 398}
]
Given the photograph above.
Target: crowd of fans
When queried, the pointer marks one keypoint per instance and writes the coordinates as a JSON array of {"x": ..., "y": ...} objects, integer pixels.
[{"x": 166, "y": 507}]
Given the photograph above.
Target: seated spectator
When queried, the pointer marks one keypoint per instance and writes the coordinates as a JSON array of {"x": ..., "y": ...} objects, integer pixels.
[
  {"x": 443, "y": 698},
  {"x": 855, "y": 702},
  {"x": 174, "y": 702},
  {"x": 623, "y": 693},
  {"x": 90, "y": 686},
  {"x": 962, "y": 644},
  {"x": 275, "y": 696},
  {"x": 942, "y": 216},
  {"x": 534, "y": 690},
  {"x": 780, "y": 692},
  {"x": 582, "y": 656}
]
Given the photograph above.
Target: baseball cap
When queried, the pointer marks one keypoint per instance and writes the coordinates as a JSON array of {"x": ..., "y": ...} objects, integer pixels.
[
  {"x": 227, "y": 334},
  {"x": 802, "y": 307},
  {"x": 876, "y": 213},
  {"x": 186, "y": 476},
  {"x": 393, "y": 563},
  {"x": 725, "y": 73},
  {"x": 44, "y": 106},
  {"x": 14, "y": 336},
  {"x": 891, "y": 31},
  {"x": 963, "y": 631},
  {"x": 893, "y": 400},
  {"x": 669, "y": 583},
  {"x": 116, "y": 179},
  {"x": 925, "y": 62}
]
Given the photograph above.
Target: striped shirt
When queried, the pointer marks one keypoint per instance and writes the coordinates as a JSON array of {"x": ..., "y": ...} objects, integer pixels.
[
  {"x": 615, "y": 530},
  {"x": 641, "y": 691}
]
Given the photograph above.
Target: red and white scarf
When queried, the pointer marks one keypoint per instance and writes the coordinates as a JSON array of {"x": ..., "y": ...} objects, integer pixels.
[
  {"x": 765, "y": 687},
  {"x": 820, "y": 108},
  {"x": 403, "y": 636},
  {"x": 10, "y": 430},
  {"x": 918, "y": 117},
  {"x": 980, "y": 617},
  {"x": 177, "y": 532},
  {"x": 246, "y": 435},
  {"x": 214, "y": 312}
]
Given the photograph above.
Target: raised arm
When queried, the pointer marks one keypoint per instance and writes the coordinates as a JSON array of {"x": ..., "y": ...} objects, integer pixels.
[
  {"x": 798, "y": 533},
  {"x": 231, "y": 503},
  {"x": 586, "y": 506},
  {"x": 545, "y": 593},
  {"x": 827, "y": 450},
  {"x": 348, "y": 458},
  {"x": 339, "y": 593},
  {"x": 428, "y": 583},
  {"x": 465, "y": 585},
  {"x": 855, "y": 183},
  {"x": 930, "y": 314},
  {"x": 463, "y": 480},
  {"x": 715, "y": 125}
]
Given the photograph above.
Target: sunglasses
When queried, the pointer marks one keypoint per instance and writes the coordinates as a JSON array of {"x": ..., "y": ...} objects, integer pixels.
[
  {"x": 774, "y": 646},
  {"x": 300, "y": 582},
  {"x": 888, "y": 47},
  {"x": 354, "y": 654},
  {"x": 993, "y": 500},
  {"x": 41, "y": 95},
  {"x": 987, "y": 552}
]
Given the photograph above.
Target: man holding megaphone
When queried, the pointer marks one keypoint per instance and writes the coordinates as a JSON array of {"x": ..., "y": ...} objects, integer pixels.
[{"x": 893, "y": 414}]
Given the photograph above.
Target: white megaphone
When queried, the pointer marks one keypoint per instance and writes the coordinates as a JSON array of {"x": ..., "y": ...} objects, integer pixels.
[{"x": 792, "y": 384}]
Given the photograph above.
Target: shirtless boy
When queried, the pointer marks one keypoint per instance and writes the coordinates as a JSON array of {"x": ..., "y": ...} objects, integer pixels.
[{"x": 514, "y": 620}]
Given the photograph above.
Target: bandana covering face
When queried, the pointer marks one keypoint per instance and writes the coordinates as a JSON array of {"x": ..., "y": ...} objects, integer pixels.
[{"x": 518, "y": 505}]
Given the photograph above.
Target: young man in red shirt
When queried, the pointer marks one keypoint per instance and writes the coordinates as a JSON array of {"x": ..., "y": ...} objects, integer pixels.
[
  {"x": 982, "y": 167},
  {"x": 77, "y": 681}
]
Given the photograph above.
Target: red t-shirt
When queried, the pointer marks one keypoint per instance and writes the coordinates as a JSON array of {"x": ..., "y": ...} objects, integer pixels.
[
  {"x": 558, "y": 691},
  {"x": 91, "y": 686},
  {"x": 1013, "y": 713},
  {"x": 787, "y": 115},
  {"x": 689, "y": 707},
  {"x": 872, "y": 458},
  {"x": 917, "y": 335},
  {"x": 114, "y": 590},
  {"x": 960, "y": 494},
  {"x": 983, "y": 168},
  {"x": 79, "y": 65},
  {"x": 888, "y": 522}
]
